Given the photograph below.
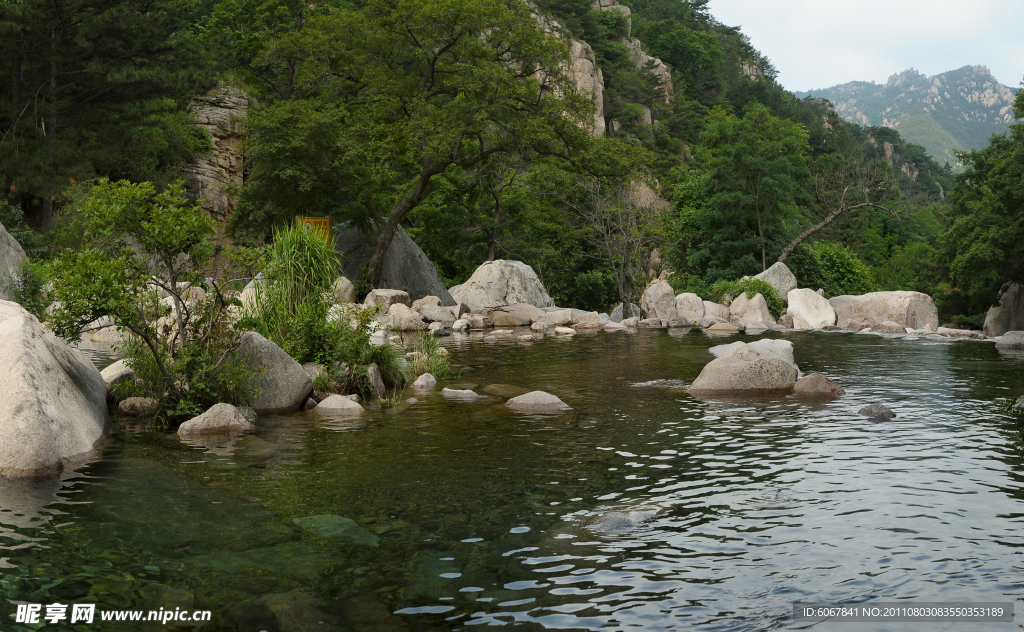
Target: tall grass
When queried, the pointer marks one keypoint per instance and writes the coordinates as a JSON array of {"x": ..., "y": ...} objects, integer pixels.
[{"x": 432, "y": 358}]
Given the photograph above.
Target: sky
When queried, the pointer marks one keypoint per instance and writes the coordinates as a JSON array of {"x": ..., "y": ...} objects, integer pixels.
[{"x": 821, "y": 43}]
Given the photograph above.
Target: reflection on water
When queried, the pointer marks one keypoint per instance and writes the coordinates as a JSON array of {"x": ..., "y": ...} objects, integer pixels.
[{"x": 642, "y": 507}]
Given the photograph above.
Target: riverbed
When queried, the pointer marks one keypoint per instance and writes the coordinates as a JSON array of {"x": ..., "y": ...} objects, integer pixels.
[{"x": 446, "y": 515}]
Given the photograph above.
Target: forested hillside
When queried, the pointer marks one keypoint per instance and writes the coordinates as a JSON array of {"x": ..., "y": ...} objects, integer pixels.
[
  {"x": 953, "y": 111},
  {"x": 605, "y": 144}
]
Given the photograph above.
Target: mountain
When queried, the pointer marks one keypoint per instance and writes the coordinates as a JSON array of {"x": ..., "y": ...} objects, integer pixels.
[{"x": 959, "y": 109}]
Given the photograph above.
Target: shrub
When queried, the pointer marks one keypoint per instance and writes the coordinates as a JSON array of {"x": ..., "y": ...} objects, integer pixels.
[
  {"x": 432, "y": 358},
  {"x": 832, "y": 267},
  {"x": 30, "y": 281},
  {"x": 725, "y": 291}
]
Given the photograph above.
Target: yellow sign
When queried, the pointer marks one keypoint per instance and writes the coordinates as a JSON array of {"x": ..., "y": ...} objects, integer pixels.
[{"x": 321, "y": 225}]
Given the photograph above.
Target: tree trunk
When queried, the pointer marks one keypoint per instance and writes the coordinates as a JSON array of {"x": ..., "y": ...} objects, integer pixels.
[
  {"x": 51, "y": 131},
  {"x": 493, "y": 243},
  {"x": 788, "y": 250},
  {"x": 398, "y": 213}
]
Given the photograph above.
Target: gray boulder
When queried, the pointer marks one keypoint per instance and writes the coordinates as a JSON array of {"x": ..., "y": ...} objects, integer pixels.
[
  {"x": 659, "y": 302},
  {"x": 725, "y": 376},
  {"x": 53, "y": 403},
  {"x": 811, "y": 307},
  {"x": 716, "y": 310},
  {"x": 404, "y": 267},
  {"x": 385, "y": 298},
  {"x": 376, "y": 380},
  {"x": 425, "y": 381},
  {"x": 746, "y": 311},
  {"x": 137, "y": 406},
  {"x": 690, "y": 307},
  {"x": 537, "y": 401},
  {"x": 765, "y": 348},
  {"x": 116, "y": 373},
  {"x": 817, "y": 385},
  {"x": 876, "y": 411},
  {"x": 779, "y": 277},
  {"x": 890, "y": 327},
  {"x": 218, "y": 419},
  {"x": 1008, "y": 315},
  {"x": 283, "y": 384},
  {"x": 338, "y": 405},
  {"x": 907, "y": 309},
  {"x": 622, "y": 522},
  {"x": 343, "y": 291},
  {"x": 1011, "y": 340},
  {"x": 11, "y": 257},
  {"x": 502, "y": 282},
  {"x": 616, "y": 315}
]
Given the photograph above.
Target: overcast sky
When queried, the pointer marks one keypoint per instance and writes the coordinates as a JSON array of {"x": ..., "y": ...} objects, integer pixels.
[{"x": 821, "y": 43}]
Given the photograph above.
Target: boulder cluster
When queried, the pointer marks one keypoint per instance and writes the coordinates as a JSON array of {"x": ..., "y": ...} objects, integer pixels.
[{"x": 762, "y": 367}]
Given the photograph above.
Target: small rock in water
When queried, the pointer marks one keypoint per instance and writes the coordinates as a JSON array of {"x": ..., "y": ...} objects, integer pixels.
[
  {"x": 412, "y": 400},
  {"x": 218, "y": 419},
  {"x": 425, "y": 381},
  {"x": 537, "y": 401},
  {"x": 339, "y": 405},
  {"x": 525, "y": 339},
  {"x": 564, "y": 331},
  {"x": 490, "y": 339},
  {"x": 137, "y": 406},
  {"x": 620, "y": 522},
  {"x": 331, "y": 526},
  {"x": 504, "y": 390},
  {"x": 817, "y": 385},
  {"x": 876, "y": 411},
  {"x": 310, "y": 403},
  {"x": 454, "y": 393}
]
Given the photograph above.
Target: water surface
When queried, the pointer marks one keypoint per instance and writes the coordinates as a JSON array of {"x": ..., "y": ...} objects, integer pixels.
[{"x": 452, "y": 515}]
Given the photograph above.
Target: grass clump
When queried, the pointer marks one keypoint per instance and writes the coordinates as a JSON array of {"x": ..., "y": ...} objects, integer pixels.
[{"x": 430, "y": 358}]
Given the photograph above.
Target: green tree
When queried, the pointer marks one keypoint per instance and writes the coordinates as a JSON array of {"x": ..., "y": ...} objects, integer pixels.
[
  {"x": 412, "y": 88},
  {"x": 93, "y": 87},
  {"x": 756, "y": 168},
  {"x": 985, "y": 242}
]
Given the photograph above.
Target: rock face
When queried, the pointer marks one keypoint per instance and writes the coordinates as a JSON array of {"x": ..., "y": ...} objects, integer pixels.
[
  {"x": 750, "y": 311},
  {"x": 1007, "y": 316},
  {"x": 218, "y": 419},
  {"x": 1011, "y": 340},
  {"x": 404, "y": 266},
  {"x": 53, "y": 403},
  {"x": 690, "y": 307},
  {"x": 909, "y": 309},
  {"x": 811, "y": 307},
  {"x": 283, "y": 384},
  {"x": 779, "y": 277},
  {"x": 725, "y": 376},
  {"x": 537, "y": 401},
  {"x": 503, "y": 282},
  {"x": 659, "y": 302},
  {"x": 221, "y": 112},
  {"x": 11, "y": 257},
  {"x": 338, "y": 405},
  {"x": 716, "y": 310},
  {"x": 817, "y": 385},
  {"x": 616, "y": 315}
]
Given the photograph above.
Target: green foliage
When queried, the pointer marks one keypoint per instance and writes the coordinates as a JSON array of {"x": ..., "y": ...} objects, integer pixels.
[
  {"x": 432, "y": 358},
  {"x": 726, "y": 291},
  {"x": 13, "y": 220},
  {"x": 832, "y": 267},
  {"x": 138, "y": 240},
  {"x": 30, "y": 281},
  {"x": 985, "y": 242}
]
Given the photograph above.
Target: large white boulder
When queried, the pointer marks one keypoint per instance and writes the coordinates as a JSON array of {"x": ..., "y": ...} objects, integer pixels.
[
  {"x": 659, "y": 302},
  {"x": 502, "y": 282},
  {"x": 283, "y": 384},
  {"x": 764, "y": 348},
  {"x": 1008, "y": 315},
  {"x": 725, "y": 376},
  {"x": 748, "y": 311},
  {"x": 909, "y": 309},
  {"x": 53, "y": 402},
  {"x": 716, "y": 310},
  {"x": 11, "y": 257},
  {"x": 811, "y": 307},
  {"x": 779, "y": 277},
  {"x": 690, "y": 307}
]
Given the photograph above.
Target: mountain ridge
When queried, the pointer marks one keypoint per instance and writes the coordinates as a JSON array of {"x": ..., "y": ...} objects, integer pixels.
[{"x": 952, "y": 111}]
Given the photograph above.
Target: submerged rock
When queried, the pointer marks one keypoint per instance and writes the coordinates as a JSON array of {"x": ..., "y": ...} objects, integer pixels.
[
  {"x": 218, "y": 419},
  {"x": 462, "y": 394},
  {"x": 876, "y": 411},
  {"x": 340, "y": 527},
  {"x": 282, "y": 612},
  {"x": 622, "y": 522},
  {"x": 504, "y": 390},
  {"x": 817, "y": 385},
  {"x": 537, "y": 401},
  {"x": 53, "y": 401},
  {"x": 1011, "y": 340}
]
